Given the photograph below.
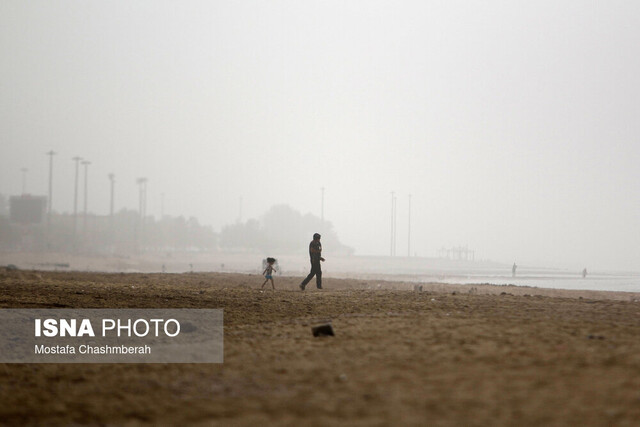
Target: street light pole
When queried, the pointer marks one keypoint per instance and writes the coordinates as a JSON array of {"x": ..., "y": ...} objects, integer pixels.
[
  {"x": 86, "y": 164},
  {"x": 112, "y": 179},
  {"x": 393, "y": 220},
  {"x": 142, "y": 208},
  {"x": 409, "y": 230},
  {"x": 75, "y": 200},
  {"x": 395, "y": 225},
  {"x": 50, "y": 204}
]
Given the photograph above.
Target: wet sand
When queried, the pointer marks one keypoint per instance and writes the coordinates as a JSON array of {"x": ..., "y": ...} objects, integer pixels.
[{"x": 449, "y": 355}]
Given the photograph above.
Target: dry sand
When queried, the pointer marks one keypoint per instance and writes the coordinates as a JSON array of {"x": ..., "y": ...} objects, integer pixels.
[{"x": 450, "y": 355}]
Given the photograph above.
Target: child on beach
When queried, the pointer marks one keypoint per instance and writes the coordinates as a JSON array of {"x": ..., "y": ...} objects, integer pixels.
[{"x": 268, "y": 273}]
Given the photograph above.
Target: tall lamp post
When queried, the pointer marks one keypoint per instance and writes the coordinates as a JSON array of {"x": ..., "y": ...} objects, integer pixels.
[
  {"x": 409, "y": 230},
  {"x": 142, "y": 208},
  {"x": 112, "y": 180},
  {"x": 50, "y": 201},
  {"x": 86, "y": 164},
  {"x": 393, "y": 223},
  {"x": 75, "y": 201}
]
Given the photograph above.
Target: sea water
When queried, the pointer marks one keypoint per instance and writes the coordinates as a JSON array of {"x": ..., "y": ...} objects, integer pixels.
[{"x": 620, "y": 282}]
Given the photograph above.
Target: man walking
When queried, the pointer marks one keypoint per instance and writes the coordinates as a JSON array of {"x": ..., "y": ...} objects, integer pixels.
[{"x": 315, "y": 254}]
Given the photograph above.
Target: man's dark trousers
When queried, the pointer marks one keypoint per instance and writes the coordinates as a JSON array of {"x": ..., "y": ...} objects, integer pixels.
[{"x": 315, "y": 271}]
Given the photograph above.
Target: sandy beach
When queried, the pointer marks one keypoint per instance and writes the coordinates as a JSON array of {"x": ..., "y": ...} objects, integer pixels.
[{"x": 446, "y": 355}]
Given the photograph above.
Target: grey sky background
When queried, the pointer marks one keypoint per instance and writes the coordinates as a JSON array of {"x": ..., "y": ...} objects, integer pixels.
[{"x": 514, "y": 125}]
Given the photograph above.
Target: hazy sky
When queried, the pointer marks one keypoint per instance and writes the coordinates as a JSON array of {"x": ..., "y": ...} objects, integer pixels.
[{"x": 514, "y": 125}]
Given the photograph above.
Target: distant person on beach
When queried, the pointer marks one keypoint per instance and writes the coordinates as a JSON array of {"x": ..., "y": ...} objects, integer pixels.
[
  {"x": 315, "y": 255},
  {"x": 268, "y": 273},
  {"x": 513, "y": 270},
  {"x": 584, "y": 273}
]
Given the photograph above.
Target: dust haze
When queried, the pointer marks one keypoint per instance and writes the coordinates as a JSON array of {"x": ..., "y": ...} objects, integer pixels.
[{"x": 507, "y": 128}]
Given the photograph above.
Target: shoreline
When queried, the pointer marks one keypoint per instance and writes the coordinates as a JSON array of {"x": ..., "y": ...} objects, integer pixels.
[
  {"x": 342, "y": 283},
  {"x": 397, "y": 270}
]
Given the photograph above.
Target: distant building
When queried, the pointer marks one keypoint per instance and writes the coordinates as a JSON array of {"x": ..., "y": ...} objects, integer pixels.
[{"x": 27, "y": 209}]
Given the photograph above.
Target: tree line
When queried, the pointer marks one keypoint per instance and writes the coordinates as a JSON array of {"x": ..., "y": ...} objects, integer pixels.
[{"x": 280, "y": 230}]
